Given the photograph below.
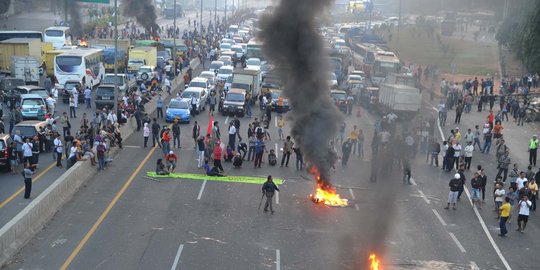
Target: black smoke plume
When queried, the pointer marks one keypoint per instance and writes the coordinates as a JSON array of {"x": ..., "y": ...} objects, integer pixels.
[
  {"x": 144, "y": 12},
  {"x": 4, "y": 6},
  {"x": 291, "y": 40},
  {"x": 74, "y": 11}
]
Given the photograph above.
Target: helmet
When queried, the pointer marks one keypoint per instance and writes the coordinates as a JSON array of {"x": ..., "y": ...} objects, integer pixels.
[{"x": 457, "y": 176}]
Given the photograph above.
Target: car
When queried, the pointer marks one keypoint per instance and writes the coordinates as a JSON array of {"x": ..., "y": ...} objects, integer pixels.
[
  {"x": 105, "y": 96},
  {"x": 354, "y": 77},
  {"x": 227, "y": 40},
  {"x": 29, "y": 129},
  {"x": 238, "y": 52},
  {"x": 226, "y": 60},
  {"x": 31, "y": 104},
  {"x": 253, "y": 63},
  {"x": 225, "y": 46},
  {"x": 234, "y": 102},
  {"x": 244, "y": 47},
  {"x": 332, "y": 80},
  {"x": 276, "y": 96},
  {"x": 210, "y": 76},
  {"x": 5, "y": 141},
  {"x": 340, "y": 99},
  {"x": 201, "y": 82},
  {"x": 199, "y": 93},
  {"x": 13, "y": 96},
  {"x": 224, "y": 73},
  {"x": 123, "y": 81},
  {"x": 67, "y": 90},
  {"x": 215, "y": 65},
  {"x": 9, "y": 83},
  {"x": 178, "y": 109},
  {"x": 359, "y": 73},
  {"x": 144, "y": 74}
]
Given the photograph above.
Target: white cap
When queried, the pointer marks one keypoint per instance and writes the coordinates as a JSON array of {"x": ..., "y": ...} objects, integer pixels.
[
  {"x": 171, "y": 152},
  {"x": 457, "y": 176}
]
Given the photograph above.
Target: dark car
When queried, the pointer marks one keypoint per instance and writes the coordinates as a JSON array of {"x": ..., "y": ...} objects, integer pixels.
[
  {"x": 68, "y": 87},
  {"x": 7, "y": 84},
  {"x": 340, "y": 99},
  {"x": 29, "y": 129},
  {"x": 5, "y": 141},
  {"x": 13, "y": 96},
  {"x": 234, "y": 102},
  {"x": 105, "y": 96}
]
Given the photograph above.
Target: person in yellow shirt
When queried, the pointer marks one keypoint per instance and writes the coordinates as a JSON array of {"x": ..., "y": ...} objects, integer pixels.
[
  {"x": 354, "y": 138},
  {"x": 457, "y": 135},
  {"x": 533, "y": 187},
  {"x": 280, "y": 124},
  {"x": 504, "y": 211}
]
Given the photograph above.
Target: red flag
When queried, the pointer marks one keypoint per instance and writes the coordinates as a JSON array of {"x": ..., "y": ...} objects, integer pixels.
[{"x": 210, "y": 126}]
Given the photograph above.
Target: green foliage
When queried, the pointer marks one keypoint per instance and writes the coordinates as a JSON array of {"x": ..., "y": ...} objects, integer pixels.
[{"x": 520, "y": 31}]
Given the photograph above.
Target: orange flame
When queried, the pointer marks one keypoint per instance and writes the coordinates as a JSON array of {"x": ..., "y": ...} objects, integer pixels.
[
  {"x": 326, "y": 193},
  {"x": 374, "y": 262}
]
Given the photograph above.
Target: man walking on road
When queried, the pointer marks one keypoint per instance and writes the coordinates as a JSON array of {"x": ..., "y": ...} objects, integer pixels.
[
  {"x": 58, "y": 149},
  {"x": 176, "y": 134},
  {"x": 504, "y": 212},
  {"x": 269, "y": 188},
  {"x": 27, "y": 174},
  {"x": 88, "y": 97},
  {"x": 455, "y": 184},
  {"x": 533, "y": 150},
  {"x": 523, "y": 217},
  {"x": 159, "y": 106},
  {"x": 155, "y": 133},
  {"x": 287, "y": 150}
]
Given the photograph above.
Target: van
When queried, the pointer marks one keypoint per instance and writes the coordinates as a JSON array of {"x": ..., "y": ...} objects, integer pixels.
[
  {"x": 105, "y": 96},
  {"x": 31, "y": 104},
  {"x": 32, "y": 89},
  {"x": 234, "y": 102},
  {"x": 5, "y": 141},
  {"x": 29, "y": 129}
]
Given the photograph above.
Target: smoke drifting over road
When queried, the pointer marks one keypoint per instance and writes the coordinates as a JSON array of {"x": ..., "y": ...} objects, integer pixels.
[
  {"x": 292, "y": 42},
  {"x": 143, "y": 11},
  {"x": 76, "y": 26}
]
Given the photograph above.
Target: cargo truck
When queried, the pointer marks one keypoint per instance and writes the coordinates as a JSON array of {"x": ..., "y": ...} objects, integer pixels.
[
  {"x": 250, "y": 77},
  {"x": 25, "y": 68},
  {"x": 401, "y": 99},
  {"x": 141, "y": 56},
  {"x": 18, "y": 47}
]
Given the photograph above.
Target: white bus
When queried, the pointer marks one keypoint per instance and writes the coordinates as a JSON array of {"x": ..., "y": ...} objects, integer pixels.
[
  {"x": 254, "y": 49},
  {"x": 59, "y": 36},
  {"x": 5, "y": 35},
  {"x": 80, "y": 65},
  {"x": 385, "y": 63}
]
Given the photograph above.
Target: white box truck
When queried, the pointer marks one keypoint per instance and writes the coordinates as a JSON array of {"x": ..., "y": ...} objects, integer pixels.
[
  {"x": 251, "y": 77},
  {"x": 400, "y": 98},
  {"x": 25, "y": 68}
]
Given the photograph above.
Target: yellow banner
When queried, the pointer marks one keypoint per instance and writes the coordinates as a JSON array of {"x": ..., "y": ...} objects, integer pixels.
[{"x": 227, "y": 178}]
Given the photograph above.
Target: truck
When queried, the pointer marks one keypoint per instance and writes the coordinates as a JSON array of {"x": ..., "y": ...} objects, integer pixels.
[
  {"x": 251, "y": 77},
  {"x": 141, "y": 56},
  {"x": 18, "y": 47},
  {"x": 48, "y": 58},
  {"x": 124, "y": 82},
  {"x": 25, "y": 68},
  {"x": 108, "y": 59},
  {"x": 402, "y": 99},
  {"x": 403, "y": 79},
  {"x": 168, "y": 11}
]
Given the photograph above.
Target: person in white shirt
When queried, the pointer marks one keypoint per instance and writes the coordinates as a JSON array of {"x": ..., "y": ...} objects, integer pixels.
[
  {"x": 58, "y": 146},
  {"x": 524, "y": 207},
  {"x": 457, "y": 153},
  {"x": 468, "y": 152},
  {"x": 167, "y": 85},
  {"x": 51, "y": 104},
  {"x": 54, "y": 91},
  {"x": 521, "y": 180},
  {"x": 232, "y": 136},
  {"x": 75, "y": 94},
  {"x": 27, "y": 152},
  {"x": 499, "y": 195}
]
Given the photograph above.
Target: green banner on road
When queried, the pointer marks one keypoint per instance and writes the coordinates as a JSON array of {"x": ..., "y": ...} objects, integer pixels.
[
  {"x": 95, "y": 1},
  {"x": 228, "y": 178}
]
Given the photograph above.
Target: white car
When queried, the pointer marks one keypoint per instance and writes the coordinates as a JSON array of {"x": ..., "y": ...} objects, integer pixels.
[
  {"x": 224, "y": 73},
  {"x": 253, "y": 64},
  {"x": 202, "y": 83},
  {"x": 227, "y": 40},
  {"x": 210, "y": 76},
  {"x": 227, "y": 60},
  {"x": 200, "y": 95},
  {"x": 215, "y": 65},
  {"x": 238, "y": 51},
  {"x": 225, "y": 46},
  {"x": 332, "y": 80}
]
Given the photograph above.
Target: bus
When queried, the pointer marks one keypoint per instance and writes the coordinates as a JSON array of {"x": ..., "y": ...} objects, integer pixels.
[
  {"x": 385, "y": 63},
  {"x": 367, "y": 51},
  {"x": 80, "y": 65},
  {"x": 59, "y": 36},
  {"x": 5, "y": 35},
  {"x": 254, "y": 49}
]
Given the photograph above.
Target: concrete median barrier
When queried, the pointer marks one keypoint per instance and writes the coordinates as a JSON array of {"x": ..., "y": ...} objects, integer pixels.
[{"x": 32, "y": 219}]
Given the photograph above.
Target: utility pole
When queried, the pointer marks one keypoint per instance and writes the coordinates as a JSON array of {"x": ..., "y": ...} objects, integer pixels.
[
  {"x": 116, "y": 58},
  {"x": 201, "y": 22},
  {"x": 225, "y": 18},
  {"x": 174, "y": 40},
  {"x": 215, "y": 14},
  {"x": 399, "y": 21}
]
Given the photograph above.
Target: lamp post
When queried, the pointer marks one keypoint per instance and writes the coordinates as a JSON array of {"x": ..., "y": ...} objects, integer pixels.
[
  {"x": 174, "y": 40},
  {"x": 201, "y": 21},
  {"x": 225, "y": 18},
  {"x": 215, "y": 14},
  {"x": 116, "y": 57}
]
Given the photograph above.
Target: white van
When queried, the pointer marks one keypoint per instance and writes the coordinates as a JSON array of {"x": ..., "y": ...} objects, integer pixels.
[
  {"x": 59, "y": 36},
  {"x": 31, "y": 104}
]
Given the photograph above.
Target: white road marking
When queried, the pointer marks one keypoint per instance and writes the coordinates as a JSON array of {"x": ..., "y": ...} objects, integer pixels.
[
  {"x": 439, "y": 217},
  {"x": 277, "y": 197},
  {"x": 357, "y": 207},
  {"x": 278, "y": 260},
  {"x": 132, "y": 146},
  {"x": 424, "y": 197},
  {"x": 480, "y": 219},
  {"x": 226, "y": 119},
  {"x": 177, "y": 258},
  {"x": 275, "y": 121},
  {"x": 458, "y": 244},
  {"x": 352, "y": 194},
  {"x": 202, "y": 189},
  {"x": 276, "y": 150},
  {"x": 474, "y": 266},
  {"x": 413, "y": 182}
]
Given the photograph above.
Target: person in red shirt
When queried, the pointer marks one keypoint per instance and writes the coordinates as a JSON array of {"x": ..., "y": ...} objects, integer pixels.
[
  {"x": 171, "y": 159},
  {"x": 217, "y": 156},
  {"x": 165, "y": 141},
  {"x": 491, "y": 118}
]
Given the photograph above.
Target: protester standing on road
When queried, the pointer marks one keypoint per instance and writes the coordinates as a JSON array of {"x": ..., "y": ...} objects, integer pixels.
[
  {"x": 533, "y": 150},
  {"x": 232, "y": 135},
  {"x": 27, "y": 174},
  {"x": 13, "y": 157},
  {"x": 476, "y": 183},
  {"x": 159, "y": 106},
  {"x": 280, "y": 124},
  {"x": 88, "y": 97},
  {"x": 176, "y": 134},
  {"x": 287, "y": 150},
  {"x": 58, "y": 150},
  {"x": 27, "y": 152},
  {"x": 346, "y": 149},
  {"x": 268, "y": 189},
  {"x": 200, "y": 151},
  {"x": 353, "y": 139},
  {"x": 217, "y": 156},
  {"x": 533, "y": 188},
  {"x": 146, "y": 134},
  {"x": 468, "y": 153},
  {"x": 524, "y": 205},
  {"x": 155, "y": 133},
  {"x": 504, "y": 213},
  {"x": 454, "y": 184},
  {"x": 260, "y": 148},
  {"x": 195, "y": 133},
  {"x": 66, "y": 126},
  {"x": 166, "y": 141}
]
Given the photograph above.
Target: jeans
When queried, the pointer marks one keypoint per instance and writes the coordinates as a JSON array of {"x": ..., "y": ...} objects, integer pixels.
[
  {"x": 442, "y": 118},
  {"x": 201, "y": 158},
  {"x": 361, "y": 149},
  {"x": 101, "y": 162},
  {"x": 502, "y": 225},
  {"x": 88, "y": 103},
  {"x": 299, "y": 163},
  {"x": 285, "y": 155},
  {"x": 145, "y": 141},
  {"x": 532, "y": 156},
  {"x": 487, "y": 146},
  {"x": 435, "y": 157},
  {"x": 250, "y": 152},
  {"x": 27, "y": 187},
  {"x": 458, "y": 118},
  {"x": 217, "y": 164},
  {"x": 72, "y": 112},
  {"x": 58, "y": 159},
  {"x": 520, "y": 121},
  {"x": 477, "y": 142},
  {"x": 468, "y": 161},
  {"x": 176, "y": 139},
  {"x": 155, "y": 138},
  {"x": 159, "y": 112},
  {"x": 502, "y": 170},
  {"x": 354, "y": 144},
  {"x": 258, "y": 159}
]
